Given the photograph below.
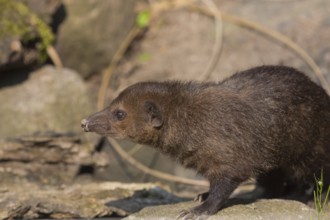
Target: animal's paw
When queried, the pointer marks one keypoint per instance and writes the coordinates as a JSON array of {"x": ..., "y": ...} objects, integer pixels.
[
  {"x": 201, "y": 197},
  {"x": 191, "y": 215}
]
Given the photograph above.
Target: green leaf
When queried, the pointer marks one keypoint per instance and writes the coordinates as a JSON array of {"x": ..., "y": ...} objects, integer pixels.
[{"x": 143, "y": 19}]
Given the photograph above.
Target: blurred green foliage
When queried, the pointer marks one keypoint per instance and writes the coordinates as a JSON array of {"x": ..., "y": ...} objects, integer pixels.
[
  {"x": 143, "y": 19},
  {"x": 17, "y": 20},
  {"x": 144, "y": 57}
]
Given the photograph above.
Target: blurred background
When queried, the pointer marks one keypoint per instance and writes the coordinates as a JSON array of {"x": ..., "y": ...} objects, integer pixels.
[{"x": 61, "y": 60}]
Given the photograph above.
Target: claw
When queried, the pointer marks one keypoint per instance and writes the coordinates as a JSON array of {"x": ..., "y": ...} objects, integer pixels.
[
  {"x": 201, "y": 197},
  {"x": 190, "y": 215},
  {"x": 186, "y": 215}
]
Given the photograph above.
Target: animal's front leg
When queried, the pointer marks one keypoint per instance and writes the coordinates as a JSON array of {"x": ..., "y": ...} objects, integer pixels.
[{"x": 220, "y": 190}]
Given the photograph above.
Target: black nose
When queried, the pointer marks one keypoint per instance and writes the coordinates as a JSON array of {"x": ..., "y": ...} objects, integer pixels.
[{"x": 84, "y": 125}]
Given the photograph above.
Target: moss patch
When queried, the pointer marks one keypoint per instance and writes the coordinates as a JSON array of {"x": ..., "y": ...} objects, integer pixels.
[{"x": 17, "y": 20}]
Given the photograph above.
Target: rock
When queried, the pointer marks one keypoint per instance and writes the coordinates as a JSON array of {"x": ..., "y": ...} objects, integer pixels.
[
  {"x": 259, "y": 210},
  {"x": 24, "y": 36},
  {"x": 51, "y": 99},
  {"x": 47, "y": 10},
  {"x": 89, "y": 200},
  {"x": 179, "y": 43},
  {"x": 92, "y": 32},
  {"x": 34, "y": 158}
]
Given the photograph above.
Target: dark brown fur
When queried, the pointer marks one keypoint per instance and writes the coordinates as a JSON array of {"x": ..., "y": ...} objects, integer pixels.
[{"x": 269, "y": 122}]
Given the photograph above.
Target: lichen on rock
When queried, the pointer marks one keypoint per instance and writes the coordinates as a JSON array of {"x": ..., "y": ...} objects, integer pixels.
[{"x": 17, "y": 20}]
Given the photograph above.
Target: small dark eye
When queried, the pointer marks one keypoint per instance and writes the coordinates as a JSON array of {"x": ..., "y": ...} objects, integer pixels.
[{"x": 120, "y": 115}]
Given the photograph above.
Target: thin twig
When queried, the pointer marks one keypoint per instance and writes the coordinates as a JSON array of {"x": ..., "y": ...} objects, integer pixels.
[
  {"x": 166, "y": 5},
  {"x": 218, "y": 40},
  {"x": 107, "y": 73},
  {"x": 271, "y": 33},
  {"x": 135, "y": 149},
  {"x": 152, "y": 172},
  {"x": 53, "y": 55}
]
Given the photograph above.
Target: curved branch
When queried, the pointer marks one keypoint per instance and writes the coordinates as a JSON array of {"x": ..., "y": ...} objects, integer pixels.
[
  {"x": 152, "y": 172},
  {"x": 107, "y": 73},
  {"x": 272, "y": 34},
  {"x": 218, "y": 40}
]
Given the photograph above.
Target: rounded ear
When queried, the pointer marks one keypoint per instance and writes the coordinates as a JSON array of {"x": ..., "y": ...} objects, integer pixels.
[{"x": 154, "y": 114}]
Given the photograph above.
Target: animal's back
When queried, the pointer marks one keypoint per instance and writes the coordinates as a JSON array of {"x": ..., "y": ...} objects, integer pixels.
[
  {"x": 274, "y": 82},
  {"x": 293, "y": 114}
]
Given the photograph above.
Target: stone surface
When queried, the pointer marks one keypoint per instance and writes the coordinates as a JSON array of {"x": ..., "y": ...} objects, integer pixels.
[
  {"x": 46, "y": 10},
  {"x": 89, "y": 200},
  {"x": 34, "y": 158},
  {"x": 25, "y": 33},
  {"x": 179, "y": 43},
  {"x": 259, "y": 210},
  {"x": 44, "y": 176},
  {"x": 92, "y": 32},
  {"x": 51, "y": 99}
]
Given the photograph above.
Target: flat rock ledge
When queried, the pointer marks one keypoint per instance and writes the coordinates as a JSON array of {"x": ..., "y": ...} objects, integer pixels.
[
  {"x": 86, "y": 200},
  {"x": 260, "y": 210},
  {"x": 143, "y": 201}
]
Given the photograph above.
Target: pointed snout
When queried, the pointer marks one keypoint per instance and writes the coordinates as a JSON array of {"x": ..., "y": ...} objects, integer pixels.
[
  {"x": 98, "y": 122},
  {"x": 84, "y": 124}
]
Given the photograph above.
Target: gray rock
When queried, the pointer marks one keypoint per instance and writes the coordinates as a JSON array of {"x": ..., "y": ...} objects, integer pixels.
[
  {"x": 25, "y": 33},
  {"x": 46, "y": 9},
  {"x": 89, "y": 200},
  {"x": 92, "y": 32},
  {"x": 259, "y": 210},
  {"x": 179, "y": 44},
  {"x": 34, "y": 157},
  {"x": 6, "y": 49},
  {"x": 51, "y": 99}
]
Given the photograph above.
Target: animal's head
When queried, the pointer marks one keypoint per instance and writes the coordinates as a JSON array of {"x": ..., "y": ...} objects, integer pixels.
[{"x": 135, "y": 114}]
